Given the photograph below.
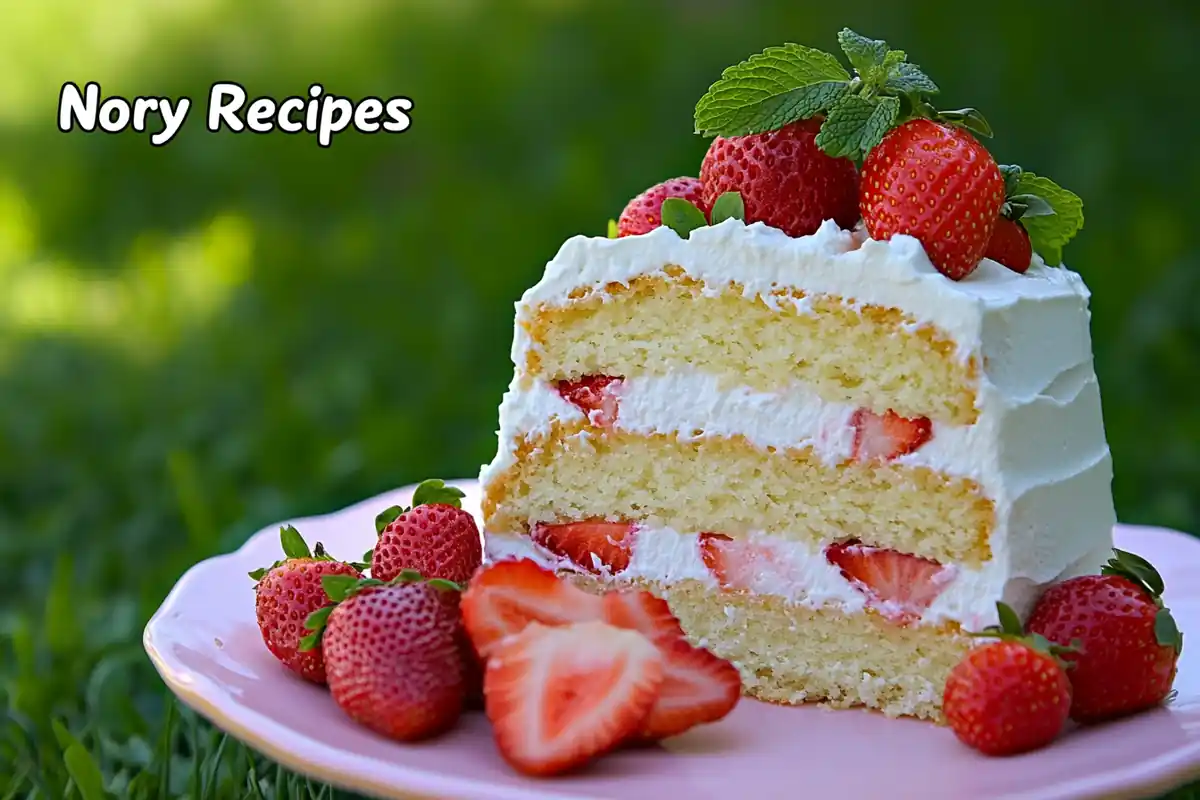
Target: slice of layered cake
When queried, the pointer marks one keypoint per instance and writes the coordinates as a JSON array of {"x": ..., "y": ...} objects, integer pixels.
[{"x": 831, "y": 451}]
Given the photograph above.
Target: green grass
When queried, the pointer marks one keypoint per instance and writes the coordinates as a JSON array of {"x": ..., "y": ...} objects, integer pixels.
[{"x": 199, "y": 340}]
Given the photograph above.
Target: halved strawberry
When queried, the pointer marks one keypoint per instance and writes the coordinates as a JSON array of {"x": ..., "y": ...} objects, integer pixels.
[
  {"x": 558, "y": 697},
  {"x": 888, "y": 435},
  {"x": 698, "y": 687},
  {"x": 503, "y": 598},
  {"x": 898, "y": 585},
  {"x": 643, "y": 612},
  {"x": 596, "y": 545},
  {"x": 741, "y": 564},
  {"x": 594, "y": 395}
]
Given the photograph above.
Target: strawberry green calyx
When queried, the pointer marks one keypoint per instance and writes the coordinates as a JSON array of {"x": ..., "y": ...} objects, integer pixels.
[
  {"x": 427, "y": 492},
  {"x": 1141, "y": 572},
  {"x": 340, "y": 588},
  {"x": 683, "y": 217},
  {"x": 1010, "y": 629},
  {"x": 1050, "y": 214},
  {"x": 433, "y": 490},
  {"x": 294, "y": 547},
  {"x": 792, "y": 82}
]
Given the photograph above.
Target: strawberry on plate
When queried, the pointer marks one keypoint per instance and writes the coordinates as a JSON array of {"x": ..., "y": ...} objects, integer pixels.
[
  {"x": 393, "y": 654},
  {"x": 1126, "y": 641},
  {"x": 698, "y": 687},
  {"x": 1009, "y": 696},
  {"x": 598, "y": 546},
  {"x": 597, "y": 396},
  {"x": 935, "y": 182},
  {"x": 783, "y": 177},
  {"x": 434, "y": 537},
  {"x": 559, "y": 696},
  {"x": 888, "y": 435},
  {"x": 284, "y": 596},
  {"x": 644, "y": 212},
  {"x": 505, "y": 597},
  {"x": 898, "y": 585}
]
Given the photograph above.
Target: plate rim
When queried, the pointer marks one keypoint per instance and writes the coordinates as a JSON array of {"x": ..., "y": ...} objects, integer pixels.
[{"x": 1169, "y": 771}]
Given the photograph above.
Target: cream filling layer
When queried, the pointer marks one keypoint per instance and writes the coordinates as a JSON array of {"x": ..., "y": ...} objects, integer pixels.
[
  {"x": 1044, "y": 463},
  {"x": 1041, "y": 442},
  {"x": 665, "y": 556}
]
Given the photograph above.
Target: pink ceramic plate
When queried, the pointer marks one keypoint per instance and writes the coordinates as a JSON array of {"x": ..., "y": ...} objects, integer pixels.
[{"x": 206, "y": 645}]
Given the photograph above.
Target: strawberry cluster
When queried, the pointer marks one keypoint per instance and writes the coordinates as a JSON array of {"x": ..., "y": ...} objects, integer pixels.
[
  {"x": 1095, "y": 647},
  {"x": 799, "y": 140},
  {"x": 432, "y": 633}
]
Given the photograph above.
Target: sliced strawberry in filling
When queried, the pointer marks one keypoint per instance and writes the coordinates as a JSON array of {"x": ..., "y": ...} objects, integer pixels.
[
  {"x": 595, "y": 545},
  {"x": 898, "y": 585},
  {"x": 594, "y": 395},
  {"x": 746, "y": 565},
  {"x": 888, "y": 435}
]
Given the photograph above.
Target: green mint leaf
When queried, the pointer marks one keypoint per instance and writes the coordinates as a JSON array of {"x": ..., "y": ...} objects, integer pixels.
[
  {"x": 317, "y": 619},
  {"x": 435, "y": 490},
  {"x": 893, "y": 58},
  {"x": 1028, "y": 205},
  {"x": 1166, "y": 631},
  {"x": 856, "y": 124},
  {"x": 681, "y": 216},
  {"x": 905, "y": 78},
  {"x": 444, "y": 585},
  {"x": 864, "y": 54},
  {"x": 338, "y": 587},
  {"x": 771, "y": 89},
  {"x": 293, "y": 543},
  {"x": 259, "y": 574},
  {"x": 728, "y": 206},
  {"x": 1009, "y": 621},
  {"x": 969, "y": 118},
  {"x": 1049, "y": 234},
  {"x": 387, "y": 517},
  {"x": 612, "y": 229}
]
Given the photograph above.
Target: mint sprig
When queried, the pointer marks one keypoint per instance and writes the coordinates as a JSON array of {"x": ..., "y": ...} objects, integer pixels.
[
  {"x": 784, "y": 84},
  {"x": 1050, "y": 214},
  {"x": 682, "y": 217}
]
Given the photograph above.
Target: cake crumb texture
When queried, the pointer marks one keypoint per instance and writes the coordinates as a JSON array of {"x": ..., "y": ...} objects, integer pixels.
[
  {"x": 791, "y": 654},
  {"x": 729, "y": 486},
  {"x": 869, "y": 356}
]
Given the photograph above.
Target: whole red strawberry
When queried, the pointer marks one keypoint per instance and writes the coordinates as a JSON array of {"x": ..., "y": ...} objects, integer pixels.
[
  {"x": 644, "y": 212},
  {"x": 1008, "y": 696},
  {"x": 935, "y": 182},
  {"x": 286, "y": 594},
  {"x": 394, "y": 659},
  {"x": 435, "y": 537},
  {"x": 785, "y": 180},
  {"x": 1128, "y": 643},
  {"x": 1010, "y": 245}
]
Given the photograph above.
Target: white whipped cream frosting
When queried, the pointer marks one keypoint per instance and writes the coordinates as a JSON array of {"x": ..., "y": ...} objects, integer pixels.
[{"x": 1038, "y": 449}]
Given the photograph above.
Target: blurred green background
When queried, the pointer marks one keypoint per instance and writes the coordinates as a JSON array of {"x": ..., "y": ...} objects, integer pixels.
[{"x": 201, "y": 339}]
